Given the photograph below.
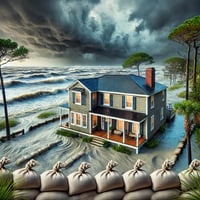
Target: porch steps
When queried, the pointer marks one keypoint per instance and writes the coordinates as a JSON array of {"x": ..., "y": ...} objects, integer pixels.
[{"x": 97, "y": 142}]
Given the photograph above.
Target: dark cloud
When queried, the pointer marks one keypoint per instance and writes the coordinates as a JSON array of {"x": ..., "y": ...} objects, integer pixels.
[{"x": 94, "y": 31}]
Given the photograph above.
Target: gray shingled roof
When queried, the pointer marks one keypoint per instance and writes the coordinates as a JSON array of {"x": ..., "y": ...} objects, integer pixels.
[{"x": 121, "y": 83}]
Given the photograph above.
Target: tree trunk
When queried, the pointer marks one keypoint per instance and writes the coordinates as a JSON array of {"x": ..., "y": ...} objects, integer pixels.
[
  {"x": 188, "y": 133},
  {"x": 195, "y": 66},
  {"x": 187, "y": 72},
  {"x": 5, "y": 106}
]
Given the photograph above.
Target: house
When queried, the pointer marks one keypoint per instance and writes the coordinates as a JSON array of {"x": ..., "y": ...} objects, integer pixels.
[{"x": 123, "y": 109}]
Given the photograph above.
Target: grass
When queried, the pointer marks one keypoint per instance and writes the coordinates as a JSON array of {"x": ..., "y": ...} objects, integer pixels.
[
  {"x": 67, "y": 133},
  {"x": 181, "y": 94},
  {"x": 87, "y": 139},
  {"x": 122, "y": 149},
  {"x": 6, "y": 188},
  {"x": 106, "y": 144},
  {"x": 175, "y": 86},
  {"x": 45, "y": 115},
  {"x": 152, "y": 143},
  {"x": 12, "y": 123}
]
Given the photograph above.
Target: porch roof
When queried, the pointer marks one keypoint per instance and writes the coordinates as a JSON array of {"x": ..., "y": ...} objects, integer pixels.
[{"x": 122, "y": 114}]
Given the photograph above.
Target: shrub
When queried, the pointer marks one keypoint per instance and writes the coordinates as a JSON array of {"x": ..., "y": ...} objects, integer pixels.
[
  {"x": 67, "y": 133},
  {"x": 6, "y": 189},
  {"x": 106, "y": 144},
  {"x": 181, "y": 94},
  {"x": 121, "y": 149},
  {"x": 152, "y": 143},
  {"x": 12, "y": 123},
  {"x": 175, "y": 86},
  {"x": 46, "y": 115},
  {"x": 87, "y": 139},
  {"x": 162, "y": 129}
]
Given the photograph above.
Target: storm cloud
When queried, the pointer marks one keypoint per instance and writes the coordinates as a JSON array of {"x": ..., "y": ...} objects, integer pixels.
[{"x": 94, "y": 31}]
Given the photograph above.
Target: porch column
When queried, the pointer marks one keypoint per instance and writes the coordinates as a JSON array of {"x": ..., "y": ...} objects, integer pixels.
[
  {"x": 60, "y": 116},
  {"x": 108, "y": 125},
  {"x": 137, "y": 142},
  {"x": 124, "y": 132},
  {"x": 90, "y": 124}
]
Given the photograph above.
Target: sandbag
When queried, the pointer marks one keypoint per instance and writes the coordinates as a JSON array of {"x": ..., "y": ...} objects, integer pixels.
[
  {"x": 110, "y": 195},
  {"x": 29, "y": 194},
  {"x": 54, "y": 180},
  {"x": 109, "y": 179},
  {"x": 5, "y": 175},
  {"x": 190, "y": 178},
  {"x": 136, "y": 178},
  {"x": 26, "y": 178},
  {"x": 84, "y": 196},
  {"x": 166, "y": 194},
  {"x": 81, "y": 181},
  {"x": 143, "y": 194},
  {"x": 165, "y": 178},
  {"x": 52, "y": 196}
]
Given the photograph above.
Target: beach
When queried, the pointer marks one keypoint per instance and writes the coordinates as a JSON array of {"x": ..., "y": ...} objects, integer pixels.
[{"x": 47, "y": 84}]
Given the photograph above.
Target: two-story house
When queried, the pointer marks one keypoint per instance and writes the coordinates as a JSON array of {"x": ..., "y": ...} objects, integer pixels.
[{"x": 123, "y": 109}]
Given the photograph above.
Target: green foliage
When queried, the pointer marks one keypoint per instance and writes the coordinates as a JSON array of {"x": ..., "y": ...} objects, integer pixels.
[
  {"x": 197, "y": 137},
  {"x": 106, "y": 144},
  {"x": 46, "y": 115},
  {"x": 195, "y": 93},
  {"x": 175, "y": 86},
  {"x": 6, "y": 189},
  {"x": 185, "y": 107},
  {"x": 152, "y": 143},
  {"x": 181, "y": 94},
  {"x": 162, "y": 129},
  {"x": 12, "y": 123},
  {"x": 87, "y": 139},
  {"x": 122, "y": 149},
  {"x": 67, "y": 133}
]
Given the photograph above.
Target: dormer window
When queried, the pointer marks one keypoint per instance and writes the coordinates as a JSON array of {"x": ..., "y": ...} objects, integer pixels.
[{"x": 77, "y": 97}]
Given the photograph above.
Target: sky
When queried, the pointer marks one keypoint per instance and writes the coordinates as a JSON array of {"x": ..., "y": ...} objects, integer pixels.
[{"x": 94, "y": 32}]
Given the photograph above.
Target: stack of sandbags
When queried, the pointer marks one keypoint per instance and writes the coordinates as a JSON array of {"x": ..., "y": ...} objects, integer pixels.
[
  {"x": 190, "y": 181},
  {"x": 165, "y": 182},
  {"x": 109, "y": 183},
  {"x": 82, "y": 185},
  {"x": 26, "y": 182},
  {"x": 54, "y": 184},
  {"x": 137, "y": 183}
]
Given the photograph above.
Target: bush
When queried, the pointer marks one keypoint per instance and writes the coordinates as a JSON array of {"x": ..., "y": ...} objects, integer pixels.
[
  {"x": 162, "y": 129},
  {"x": 67, "y": 133},
  {"x": 181, "y": 94},
  {"x": 87, "y": 139},
  {"x": 45, "y": 115},
  {"x": 106, "y": 144},
  {"x": 121, "y": 149},
  {"x": 152, "y": 143},
  {"x": 12, "y": 123}
]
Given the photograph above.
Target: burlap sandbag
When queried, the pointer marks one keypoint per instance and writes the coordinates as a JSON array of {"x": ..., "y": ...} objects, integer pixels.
[
  {"x": 190, "y": 178},
  {"x": 54, "y": 180},
  {"x": 84, "y": 196},
  {"x": 166, "y": 194},
  {"x": 165, "y": 178},
  {"x": 117, "y": 194},
  {"x": 52, "y": 196},
  {"x": 81, "y": 181},
  {"x": 29, "y": 194},
  {"x": 6, "y": 176},
  {"x": 26, "y": 178},
  {"x": 109, "y": 179},
  {"x": 143, "y": 194},
  {"x": 136, "y": 178}
]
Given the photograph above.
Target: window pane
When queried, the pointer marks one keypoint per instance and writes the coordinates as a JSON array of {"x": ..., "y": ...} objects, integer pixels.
[
  {"x": 106, "y": 99},
  {"x": 129, "y": 101},
  {"x": 78, "y": 119},
  {"x": 84, "y": 121},
  {"x": 78, "y": 98}
]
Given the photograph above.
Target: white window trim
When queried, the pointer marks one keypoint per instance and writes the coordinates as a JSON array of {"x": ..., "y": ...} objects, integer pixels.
[
  {"x": 81, "y": 119},
  {"x": 127, "y": 107},
  {"x": 77, "y": 103}
]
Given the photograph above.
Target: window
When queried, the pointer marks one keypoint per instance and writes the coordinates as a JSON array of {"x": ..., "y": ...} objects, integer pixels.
[
  {"x": 94, "y": 121},
  {"x": 161, "y": 113},
  {"x": 76, "y": 97},
  {"x": 135, "y": 128},
  {"x": 152, "y": 101},
  {"x": 129, "y": 102},
  {"x": 106, "y": 99},
  {"x": 152, "y": 122},
  {"x": 84, "y": 121},
  {"x": 78, "y": 119}
]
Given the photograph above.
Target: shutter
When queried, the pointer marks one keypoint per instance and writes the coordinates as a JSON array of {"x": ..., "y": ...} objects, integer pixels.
[
  {"x": 111, "y": 100},
  {"x": 134, "y": 103},
  {"x": 83, "y": 99},
  {"x": 101, "y": 99},
  {"x": 130, "y": 127},
  {"x": 73, "y": 97},
  {"x": 123, "y": 101}
]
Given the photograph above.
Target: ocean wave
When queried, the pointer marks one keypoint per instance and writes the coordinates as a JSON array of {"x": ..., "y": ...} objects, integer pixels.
[
  {"x": 14, "y": 83},
  {"x": 34, "y": 95}
]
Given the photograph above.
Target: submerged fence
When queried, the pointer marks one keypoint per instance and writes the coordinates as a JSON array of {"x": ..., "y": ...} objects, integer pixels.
[{"x": 109, "y": 184}]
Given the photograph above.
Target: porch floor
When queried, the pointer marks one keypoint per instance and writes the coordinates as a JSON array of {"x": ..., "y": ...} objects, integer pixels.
[{"x": 119, "y": 138}]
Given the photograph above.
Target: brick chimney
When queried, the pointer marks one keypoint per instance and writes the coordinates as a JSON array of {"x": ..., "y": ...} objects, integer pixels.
[{"x": 150, "y": 78}]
